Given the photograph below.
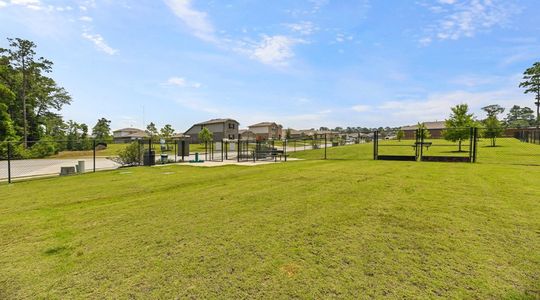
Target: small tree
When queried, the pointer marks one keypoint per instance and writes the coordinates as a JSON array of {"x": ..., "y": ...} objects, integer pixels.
[
  {"x": 205, "y": 136},
  {"x": 167, "y": 131},
  {"x": 423, "y": 131},
  {"x": 459, "y": 124},
  {"x": 288, "y": 134},
  {"x": 152, "y": 131},
  {"x": 400, "y": 135},
  {"x": 102, "y": 130},
  {"x": 493, "y": 129}
]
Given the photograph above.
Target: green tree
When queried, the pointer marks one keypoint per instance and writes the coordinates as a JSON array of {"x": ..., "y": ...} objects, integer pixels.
[
  {"x": 288, "y": 134},
  {"x": 152, "y": 132},
  {"x": 492, "y": 126},
  {"x": 459, "y": 124},
  {"x": 22, "y": 59},
  {"x": 102, "y": 130},
  {"x": 167, "y": 131},
  {"x": 519, "y": 117},
  {"x": 493, "y": 110},
  {"x": 205, "y": 136},
  {"x": 531, "y": 84},
  {"x": 7, "y": 128},
  {"x": 400, "y": 135},
  {"x": 493, "y": 129},
  {"x": 423, "y": 131},
  {"x": 37, "y": 96}
]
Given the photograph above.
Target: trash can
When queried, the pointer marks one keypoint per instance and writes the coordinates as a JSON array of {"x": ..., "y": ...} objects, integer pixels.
[
  {"x": 164, "y": 158},
  {"x": 81, "y": 167},
  {"x": 149, "y": 158}
]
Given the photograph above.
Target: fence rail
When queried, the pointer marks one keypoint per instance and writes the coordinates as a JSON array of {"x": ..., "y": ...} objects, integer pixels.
[{"x": 59, "y": 157}]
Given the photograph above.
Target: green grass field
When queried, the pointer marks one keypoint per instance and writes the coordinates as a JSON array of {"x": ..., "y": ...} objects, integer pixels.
[{"x": 348, "y": 227}]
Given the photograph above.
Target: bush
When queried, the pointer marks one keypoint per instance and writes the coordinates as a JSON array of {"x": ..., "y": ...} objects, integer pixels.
[
  {"x": 45, "y": 147},
  {"x": 129, "y": 156}
]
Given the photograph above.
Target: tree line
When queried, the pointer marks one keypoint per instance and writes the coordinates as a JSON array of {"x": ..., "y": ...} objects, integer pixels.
[{"x": 30, "y": 106}]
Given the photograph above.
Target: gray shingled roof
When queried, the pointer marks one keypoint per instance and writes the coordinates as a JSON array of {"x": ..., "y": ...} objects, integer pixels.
[
  {"x": 263, "y": 124},
  {"x": 429, "y": 125},
  {"x": 216, "y": 121}
]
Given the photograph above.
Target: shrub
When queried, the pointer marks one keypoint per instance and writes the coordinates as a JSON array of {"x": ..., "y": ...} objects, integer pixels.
[
  {"x": 45, "y": 147},
  {"x": 129, "y": 156}
]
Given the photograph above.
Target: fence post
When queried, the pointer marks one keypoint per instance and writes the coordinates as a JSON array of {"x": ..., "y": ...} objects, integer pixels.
[
  {"x": 9, "y": 161},
  {"x": 325, "y": 145},
  {"x": 375, "y": 148},
  {"x": 139, "y": 156},
  {"x": 94, "y": 156},
  {"x": 422, "y": 143},
  {"x": 238, "y": 150},
  {"x": 475, "y": 144},
  {"x": 285, "y": 150},
  {"x": 471, "y": 143}
]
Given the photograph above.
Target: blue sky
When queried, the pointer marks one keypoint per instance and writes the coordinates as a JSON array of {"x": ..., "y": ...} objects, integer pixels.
[{"x": 303, "y": 63}]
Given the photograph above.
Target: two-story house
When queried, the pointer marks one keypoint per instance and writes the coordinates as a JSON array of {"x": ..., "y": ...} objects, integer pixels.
[
  {"x": 221, "y": 129},
  {"x": 267, "y": 131}
]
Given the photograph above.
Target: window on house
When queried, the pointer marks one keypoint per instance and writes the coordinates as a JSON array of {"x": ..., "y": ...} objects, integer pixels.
[
  {"x": 231, "y": 125},
  {"x": 231, "y": 136}
]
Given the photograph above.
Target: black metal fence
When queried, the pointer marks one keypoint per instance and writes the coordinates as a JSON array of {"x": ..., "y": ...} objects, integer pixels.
[
  {"x": 485, "y": 145},
  {"x": 461, "y": 146},
  {"x": 528, "y": 136},
  {"x": 65, "y": 157}
]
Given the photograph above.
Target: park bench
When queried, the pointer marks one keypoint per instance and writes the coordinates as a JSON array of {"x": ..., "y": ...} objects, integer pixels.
[
  {"x": 273, "y": 153},
  {"x": 426, "y": 144}
]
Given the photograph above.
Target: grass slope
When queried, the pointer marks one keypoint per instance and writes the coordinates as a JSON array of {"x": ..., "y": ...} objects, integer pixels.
[{"x": 308, "y": 229}]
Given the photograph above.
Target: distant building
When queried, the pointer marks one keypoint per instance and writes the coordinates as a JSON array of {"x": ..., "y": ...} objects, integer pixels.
[
  {"x": 266, "y": 131},
  {"x": 246, "y": 134},
  {"x": 221, "y": 129},
  {"x": 127, "y": 135},
  {"x": 309, "y": 133},
  {"x": 435, "y": 129}
]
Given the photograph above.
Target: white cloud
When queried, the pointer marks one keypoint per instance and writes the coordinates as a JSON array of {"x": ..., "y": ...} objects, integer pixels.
[
  {"x": 437, "y": 106},
  {"x": 274, "y": 50},
  {"x": 197, "y": 21},
  {"x": 100, "y": 43},
  {"x": 182, "y": 82},
  {"x": 3, "y": 4},
  {"x": 361, "y": 108},
  {"x": 30, "y": 4},
  {"x": 303, "y": 28},
  {"x": 466, "y": 18},
  {"x": 86, "y": 19}
]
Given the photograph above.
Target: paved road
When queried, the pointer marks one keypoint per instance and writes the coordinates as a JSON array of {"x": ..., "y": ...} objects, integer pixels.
[{"x": 42, "y": 167}]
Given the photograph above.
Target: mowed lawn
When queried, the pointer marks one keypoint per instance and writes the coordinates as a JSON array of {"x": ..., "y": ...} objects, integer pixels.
[{"x": 348, "y": 227}]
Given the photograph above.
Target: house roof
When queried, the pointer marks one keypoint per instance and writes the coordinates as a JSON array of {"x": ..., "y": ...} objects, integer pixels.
[
  {"x": 180, "y": 135},
  {"x": 217, "y": 121},
  {"x": 429, "y": 125},
  {"x": 264, "y": 124},
  {"x": 129, "y": 129}
]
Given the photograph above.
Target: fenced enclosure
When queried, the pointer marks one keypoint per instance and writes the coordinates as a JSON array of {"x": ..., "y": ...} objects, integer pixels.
[
  {"x": 49, "y": 158},
  {"x": 425, "y": 148}
]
